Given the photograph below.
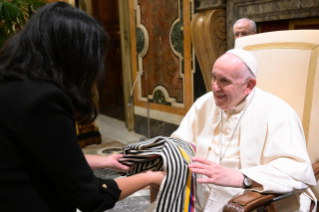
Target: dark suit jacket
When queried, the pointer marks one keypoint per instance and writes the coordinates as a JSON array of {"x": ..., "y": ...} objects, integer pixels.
[{"x": 42, "y": 167}]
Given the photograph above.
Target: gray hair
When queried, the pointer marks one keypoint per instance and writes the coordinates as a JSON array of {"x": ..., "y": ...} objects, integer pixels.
[{"x": 252, "y": 24}]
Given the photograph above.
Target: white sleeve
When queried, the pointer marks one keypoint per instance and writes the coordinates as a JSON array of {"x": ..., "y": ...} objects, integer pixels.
[
  {"x": 187, "y": 129},
  {"x": 272, "y": 179},
  {"x": 284, "y": 164}
]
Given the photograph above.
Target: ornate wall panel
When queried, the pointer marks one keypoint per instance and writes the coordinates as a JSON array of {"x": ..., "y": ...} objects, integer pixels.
[
  {"x": 268, "y": 10},
  {"x": 161, "y": 47}
]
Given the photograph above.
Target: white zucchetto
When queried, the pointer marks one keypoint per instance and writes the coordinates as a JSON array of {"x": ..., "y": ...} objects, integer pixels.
[{"x": 248, "y": 58}]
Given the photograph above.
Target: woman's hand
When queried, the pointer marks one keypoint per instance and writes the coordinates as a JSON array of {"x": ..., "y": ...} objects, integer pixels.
[
  {"x": 156, "y": 178},
  {"x": 111, "y": 162},
  {"x": 114, "y": 164},
  {"x": 136, "y": 182}
]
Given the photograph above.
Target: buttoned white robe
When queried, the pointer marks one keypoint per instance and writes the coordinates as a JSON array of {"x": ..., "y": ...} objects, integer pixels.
[{"x": 272, "y": 148}]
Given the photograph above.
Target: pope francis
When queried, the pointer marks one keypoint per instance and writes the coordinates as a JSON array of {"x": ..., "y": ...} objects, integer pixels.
[{"x": 246, "y": 139}]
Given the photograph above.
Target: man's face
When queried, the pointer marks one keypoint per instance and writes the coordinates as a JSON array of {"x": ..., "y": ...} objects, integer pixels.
[
  {"x": 228, "y": 83},
  {"x": 242, "y": 29}
]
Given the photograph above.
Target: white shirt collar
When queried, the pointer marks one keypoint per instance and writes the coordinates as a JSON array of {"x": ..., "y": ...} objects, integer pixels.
[{"x": 242, "y": 105}]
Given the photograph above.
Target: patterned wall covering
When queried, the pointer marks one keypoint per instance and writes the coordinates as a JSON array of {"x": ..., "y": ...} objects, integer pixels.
[
  {"x": 161, "y": 62},
  {"x": 161, "y": 47}
]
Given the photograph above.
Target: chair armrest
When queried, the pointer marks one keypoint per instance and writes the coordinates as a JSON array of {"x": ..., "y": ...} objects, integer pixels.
[
  {"x": 315, "y": 167},
  {"x": 252, "y": 200},
  {"x": 248, "y": 201}
]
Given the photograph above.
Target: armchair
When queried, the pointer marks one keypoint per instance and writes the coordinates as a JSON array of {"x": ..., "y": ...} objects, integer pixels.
[{"x": 288, "y": 68}]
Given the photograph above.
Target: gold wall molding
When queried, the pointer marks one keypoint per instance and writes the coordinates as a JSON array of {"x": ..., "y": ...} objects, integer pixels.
[
  {"x": 86, "y": 6},
  {"x": 168, "y": 99},
  {"x": 314, "y": 48},
  {"x": 208, "y": 30},
  {"x": 307, "y": 21},
  {"x": 126, "y": 60},
  {"x": 139, "y": 25},
  {"x": 71, "y": 2}
]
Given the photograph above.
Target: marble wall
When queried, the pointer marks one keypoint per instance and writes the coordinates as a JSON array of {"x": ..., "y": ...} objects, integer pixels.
[{"x": 162, "y": 62}]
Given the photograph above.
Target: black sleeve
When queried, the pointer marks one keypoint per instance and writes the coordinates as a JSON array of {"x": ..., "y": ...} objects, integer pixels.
[{"x": 46, "y": 132}]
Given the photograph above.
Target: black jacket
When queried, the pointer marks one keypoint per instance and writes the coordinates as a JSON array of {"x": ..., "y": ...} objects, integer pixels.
[{"x": 42, "y": 167}]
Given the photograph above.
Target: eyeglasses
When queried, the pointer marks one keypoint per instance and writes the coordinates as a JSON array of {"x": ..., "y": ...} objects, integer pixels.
[{"x": 241, "y": 34}]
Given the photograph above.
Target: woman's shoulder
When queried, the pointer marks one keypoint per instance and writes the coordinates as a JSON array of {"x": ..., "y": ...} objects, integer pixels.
[
  {"x": 34, "y": 85},
  {"x": 27, "y": 87},
  {"x": 21, "y": 93}
]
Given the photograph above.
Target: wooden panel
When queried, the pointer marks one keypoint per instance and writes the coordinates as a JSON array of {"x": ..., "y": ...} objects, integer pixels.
[
  {"x": 111, "y": 88},
  {"x": 295, "y": 24},
  {"x": 107, "y": 12},
  {"x": 271, "y": 26}
]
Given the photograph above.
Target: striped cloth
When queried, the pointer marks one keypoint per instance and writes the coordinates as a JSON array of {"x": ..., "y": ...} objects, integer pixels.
[{"x": 172, "y": 155}]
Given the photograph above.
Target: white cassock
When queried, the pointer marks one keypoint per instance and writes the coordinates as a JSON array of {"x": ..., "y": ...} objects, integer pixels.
[{"x": 262, "y": 137}]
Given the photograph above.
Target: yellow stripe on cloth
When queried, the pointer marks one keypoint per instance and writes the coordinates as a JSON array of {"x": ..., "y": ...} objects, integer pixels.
[{"x": 189, "y": 182}]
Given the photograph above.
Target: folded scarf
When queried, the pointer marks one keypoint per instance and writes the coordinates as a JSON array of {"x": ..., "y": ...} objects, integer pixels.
[{"x": 171, "y": 155}]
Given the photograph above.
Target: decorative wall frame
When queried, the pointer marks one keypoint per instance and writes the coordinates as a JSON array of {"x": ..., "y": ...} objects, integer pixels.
[{"x": 163, "y": 96}]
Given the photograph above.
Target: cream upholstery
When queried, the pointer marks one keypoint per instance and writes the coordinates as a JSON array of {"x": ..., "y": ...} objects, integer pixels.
[{"x": 288, "y": 68}]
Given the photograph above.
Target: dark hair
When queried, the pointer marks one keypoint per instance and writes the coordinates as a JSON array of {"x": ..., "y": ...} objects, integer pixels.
[{"x": 63, "y": 45}]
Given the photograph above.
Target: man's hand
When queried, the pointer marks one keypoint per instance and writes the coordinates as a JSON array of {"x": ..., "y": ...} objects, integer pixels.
[{"x": 216, "y": 173}]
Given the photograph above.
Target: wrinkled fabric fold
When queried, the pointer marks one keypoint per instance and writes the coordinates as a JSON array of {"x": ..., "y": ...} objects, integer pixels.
[{"x": 171, "y": 155}]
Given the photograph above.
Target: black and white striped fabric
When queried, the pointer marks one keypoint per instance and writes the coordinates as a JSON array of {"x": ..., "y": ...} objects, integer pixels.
[{"x": 167, "y": 154}]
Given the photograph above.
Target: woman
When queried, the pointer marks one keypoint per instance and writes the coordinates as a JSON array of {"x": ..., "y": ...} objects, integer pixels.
[{"x": 46, "y": 74}]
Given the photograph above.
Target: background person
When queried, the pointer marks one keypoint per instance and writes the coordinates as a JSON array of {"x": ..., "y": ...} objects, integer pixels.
[{"x": 244, "y": 27}]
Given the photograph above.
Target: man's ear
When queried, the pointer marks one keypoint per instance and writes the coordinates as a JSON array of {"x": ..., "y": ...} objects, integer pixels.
[{"x": 250, "y": 86}]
